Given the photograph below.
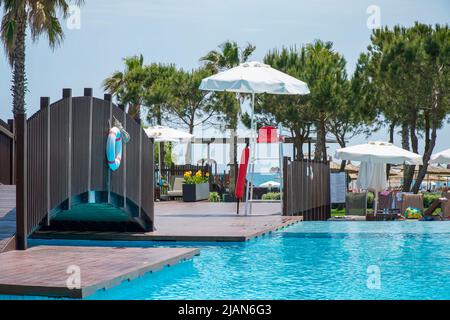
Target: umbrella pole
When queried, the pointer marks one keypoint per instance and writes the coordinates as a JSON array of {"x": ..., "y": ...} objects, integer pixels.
[
  {"x": 375, "y": 205},
  {"x": 159, "y": 164},
  {"x": 252, "y": 159}
]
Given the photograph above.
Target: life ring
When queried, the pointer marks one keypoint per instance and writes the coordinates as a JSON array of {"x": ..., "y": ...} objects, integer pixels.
[{"x": 114, "y": 148}]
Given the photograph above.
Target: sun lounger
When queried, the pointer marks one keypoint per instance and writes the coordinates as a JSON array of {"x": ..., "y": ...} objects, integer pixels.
[
  {"x": 176, "y": 189},
  {"x": 385, "y": 201},
  {"x": 356, "y": 204},
  {"x": 386, "y": 210}
]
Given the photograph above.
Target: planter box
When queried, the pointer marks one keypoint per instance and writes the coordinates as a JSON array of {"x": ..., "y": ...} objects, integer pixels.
[{"x": 195, "y": 192}]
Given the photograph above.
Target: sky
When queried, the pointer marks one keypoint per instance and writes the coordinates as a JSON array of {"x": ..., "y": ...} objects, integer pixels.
[{"x": 181, "y": 31}]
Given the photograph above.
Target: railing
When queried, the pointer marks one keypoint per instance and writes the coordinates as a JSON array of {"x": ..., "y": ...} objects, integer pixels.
[
  {"x": 66, "y": 163},
  {"x": 306, "y": 189},
  {"x": 170, "y": 172},
  {"x": 7, "y": 152}
]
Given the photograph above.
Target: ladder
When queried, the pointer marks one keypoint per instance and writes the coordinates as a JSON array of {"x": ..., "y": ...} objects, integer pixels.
[{"x": 253, "y": 159}]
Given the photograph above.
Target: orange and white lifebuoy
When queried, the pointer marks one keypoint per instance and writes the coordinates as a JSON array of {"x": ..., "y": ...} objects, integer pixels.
[{"x": 114, "y": 148}]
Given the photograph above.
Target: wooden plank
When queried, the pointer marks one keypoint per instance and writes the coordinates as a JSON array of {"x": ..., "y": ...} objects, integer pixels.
[{"x": 44, "y": 270}]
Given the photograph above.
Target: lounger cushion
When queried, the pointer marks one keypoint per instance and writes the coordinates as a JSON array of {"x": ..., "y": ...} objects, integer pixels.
[{"x": 175, "y": 193}]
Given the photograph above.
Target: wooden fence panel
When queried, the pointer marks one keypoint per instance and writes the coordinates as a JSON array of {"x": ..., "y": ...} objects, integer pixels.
[
  {"x": 100, "y": 127},
  {"x": 147, "y": 175},
  {"x": 59, "y": 152},
  {"x": 81, "y": 132},
  {"x": 117, "y": 177},
  {"x": 37, "y": 192},
  {"x": 6, "y": 154},
  {"x": 306, "y": 189},
  {"x": 132, "y": 160}
]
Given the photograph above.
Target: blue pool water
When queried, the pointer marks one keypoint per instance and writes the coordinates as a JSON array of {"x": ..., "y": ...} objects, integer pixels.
[{"x": 311, "y": 260}]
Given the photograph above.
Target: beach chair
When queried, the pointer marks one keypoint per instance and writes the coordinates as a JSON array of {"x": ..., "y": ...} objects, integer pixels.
[
  {"x": 176, "y": 189},
  {"x": 412, "y": 201},
  {"x": 356, "y": 204},
  {"x": 386, "y": 209},
  {"x": 385, "y": 201}
]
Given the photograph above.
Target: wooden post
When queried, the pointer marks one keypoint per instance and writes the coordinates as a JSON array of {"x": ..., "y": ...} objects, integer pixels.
[
  {"x": 45, "y": 103},
  {"x": 88, "y": 92},
  {"x": 13, "y": 151},
  {"x": 107, "y": 97},
  {"x": 285, "y": 192},
  {"x": 67, "y": 94},
  {"x": 21, "y": 182}
]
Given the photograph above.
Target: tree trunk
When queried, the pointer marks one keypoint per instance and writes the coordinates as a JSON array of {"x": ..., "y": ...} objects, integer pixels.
[
  {"x": 391, "y": 140},
  {"x": 135, "y": 111},
  {"x": 299, "y": 149},
  {"x": 407, "y": 171},
  {"x": 161, "y": 144},
  {"x": 19, "y": 76},
  {"x": 320, "y": 152},
  {"x": 430, "y": 143},
  {"x": 188, "y": 155},
  {"x": 19, "y": 89},
  {"x": 298, "y": 143}
]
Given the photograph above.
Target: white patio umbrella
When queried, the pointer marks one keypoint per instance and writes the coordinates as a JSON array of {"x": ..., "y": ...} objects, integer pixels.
[
  {"x": 166, "y": 134},
  {"x": 253, "y": 78},
  {"x": 374, "y": 156},
  {"x": 270, "y": 184},
  {"x": 441, "y": 157}
]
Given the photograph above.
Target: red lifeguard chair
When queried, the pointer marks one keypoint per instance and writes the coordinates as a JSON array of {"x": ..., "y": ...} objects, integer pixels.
[{"x": 266, "y": 135}]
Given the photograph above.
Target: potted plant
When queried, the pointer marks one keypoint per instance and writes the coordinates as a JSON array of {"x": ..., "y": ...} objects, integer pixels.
[{"x": 195, "y": 187}]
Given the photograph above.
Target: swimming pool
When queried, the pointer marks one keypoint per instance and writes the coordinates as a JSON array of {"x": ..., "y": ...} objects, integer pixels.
[{"x": 311, "y": 260}]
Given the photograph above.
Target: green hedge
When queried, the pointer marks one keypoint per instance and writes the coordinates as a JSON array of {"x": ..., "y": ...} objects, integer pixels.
[
  {"x": 271, "y": 196},
  {"x": 428, "y": 198}
]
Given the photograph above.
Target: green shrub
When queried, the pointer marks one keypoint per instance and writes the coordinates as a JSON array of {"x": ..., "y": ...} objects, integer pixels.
[
  {"x": 370, "y": 200},
  {"x": 214, "y": 197},
  {"x": 271, "y": 196},
  {"x": 428, "y": 198}
]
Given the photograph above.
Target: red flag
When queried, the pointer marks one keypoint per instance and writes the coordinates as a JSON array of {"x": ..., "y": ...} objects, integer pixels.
[{"x": 242, "y": 174}]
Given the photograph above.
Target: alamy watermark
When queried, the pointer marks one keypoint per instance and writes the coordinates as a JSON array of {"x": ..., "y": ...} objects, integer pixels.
[
  {"x": 73, "y": 21},
  {"x": 374, "y": 19},
  {"x": 74, "y": 279},
  {"x": 374, "y": 277}
]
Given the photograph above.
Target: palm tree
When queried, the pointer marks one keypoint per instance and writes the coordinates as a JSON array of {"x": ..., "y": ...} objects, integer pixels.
[
  {"x": 41, "y": 18},
  {"x": 128, "y": 85},
  {"x": 228, "y": 56}
]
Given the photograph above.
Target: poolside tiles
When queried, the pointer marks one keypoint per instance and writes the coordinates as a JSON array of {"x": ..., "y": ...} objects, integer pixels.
[
  {"x": 199, "y": 221},
  {"x": 77, "y": 272}
]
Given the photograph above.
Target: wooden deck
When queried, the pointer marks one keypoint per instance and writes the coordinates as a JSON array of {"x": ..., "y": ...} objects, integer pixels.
[
  {"x": 43, "y": 270},
  {"x": 199, "y": 221},
  {"x": 7, "y": 217}
]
